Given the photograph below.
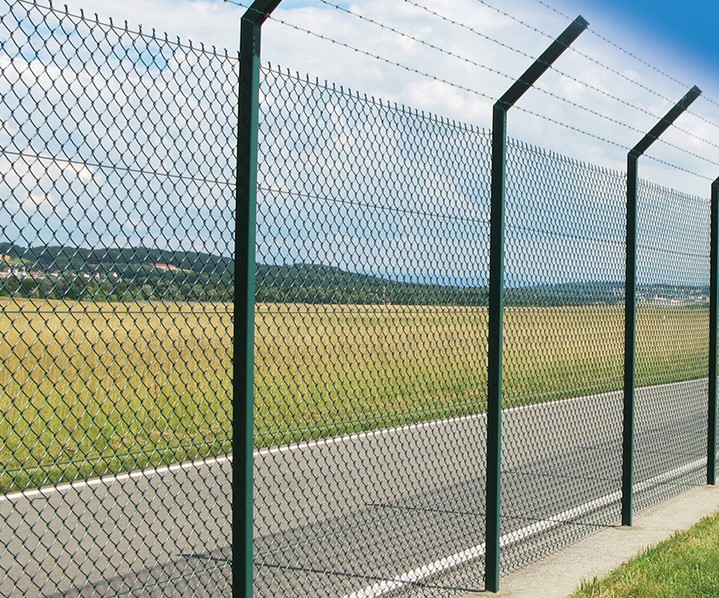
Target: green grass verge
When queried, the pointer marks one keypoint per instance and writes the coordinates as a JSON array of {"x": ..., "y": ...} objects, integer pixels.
[
  {"x": 685, "y": 566},
  {"x": 89, "y": 389}
]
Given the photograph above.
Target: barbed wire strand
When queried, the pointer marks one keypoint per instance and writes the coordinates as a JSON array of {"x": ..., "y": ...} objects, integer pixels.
[
  {"x": 461, "y": 87},
  {"x": 610, "y": 142},
  {"x": 428, "y": 76},
  {"x": 153, "y": 35},
  {"x": 492, "y": 70},
  {"x": 214, "y": 50},
  {"x": 595, "y": 61},
  {"x": 627, "y": 52},
  {"x": 558, "y": 71}
]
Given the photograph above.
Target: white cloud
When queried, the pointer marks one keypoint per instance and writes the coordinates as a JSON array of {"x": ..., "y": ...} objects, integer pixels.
[
  {"x": 435, "y": 96},
  {"x": 140, "y": 118},
  {"x": 216, "y": 23},
  {"x": 38, "y": 200}
]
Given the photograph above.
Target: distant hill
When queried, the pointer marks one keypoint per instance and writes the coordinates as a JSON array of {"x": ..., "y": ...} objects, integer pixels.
[
  {"x": 147, "y": 273},
  {"x": 314, "y": 283},
  {"x": 122, "y": 260},
  {"x": 142, "y": 273}
]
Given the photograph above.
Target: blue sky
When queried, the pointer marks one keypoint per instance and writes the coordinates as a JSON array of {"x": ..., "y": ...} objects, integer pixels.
[
  {"x": 679, "y": 35},
  {"x": 74, "y": 198},
  {"x": 688, "y": 28}
]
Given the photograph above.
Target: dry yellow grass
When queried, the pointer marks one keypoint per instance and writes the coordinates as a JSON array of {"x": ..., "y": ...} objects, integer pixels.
[{"x": 93, "y": 388}]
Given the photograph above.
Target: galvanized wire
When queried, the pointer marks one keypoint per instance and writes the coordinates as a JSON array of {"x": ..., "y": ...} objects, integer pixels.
[
  {"x": 373, "y": 218},
  {"x": 561, "y": 439},
  {"x": 117, "y": 190},
  {"x": 672, "y": 342},
  {"x": 118, "y": 154}
]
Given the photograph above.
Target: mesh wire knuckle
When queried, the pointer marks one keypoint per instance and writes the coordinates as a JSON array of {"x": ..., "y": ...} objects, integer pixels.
[{"x": 370, "y": 330}]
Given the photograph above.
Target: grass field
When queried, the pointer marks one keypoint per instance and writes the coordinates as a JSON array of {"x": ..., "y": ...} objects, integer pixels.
[
  {"x": 685, "y": 566},
  {"x": 89, "y": 389}
]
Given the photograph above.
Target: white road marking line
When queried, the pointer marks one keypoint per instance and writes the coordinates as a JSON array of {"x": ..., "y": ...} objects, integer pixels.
[
  {"x": 546, "y": 405},
  {"x": 151, "y": 471},
  {"x": 420, "y": 573},
  {"x": 425, "y": 571},
  {"x": 111, "y": 479}
]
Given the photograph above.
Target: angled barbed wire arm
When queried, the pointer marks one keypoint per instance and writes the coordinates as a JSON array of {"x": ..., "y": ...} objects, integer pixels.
[
  {"x": 630, "y": 299},
  {"x": 496, "y": 293}
]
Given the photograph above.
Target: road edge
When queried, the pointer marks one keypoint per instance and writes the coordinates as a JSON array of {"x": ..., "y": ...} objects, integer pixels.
[{"x": 561, "y": 573}]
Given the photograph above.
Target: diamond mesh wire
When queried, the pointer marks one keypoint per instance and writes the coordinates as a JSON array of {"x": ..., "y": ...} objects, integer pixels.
[
  {"x": 563, "y": 352},
  {"x": 371, "y": 343},
  {"x": 672, "y": 342},
  {"x": 117, "y": 192},
  {"x": 118, "y": 153}
]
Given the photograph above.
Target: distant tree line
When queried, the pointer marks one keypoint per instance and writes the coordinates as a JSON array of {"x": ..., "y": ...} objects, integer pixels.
[
  {"x": 122, "y": 260},
  {"x": 148, "y": 288},
  {"x": 143, "y": 274},
  {"x": 181, "y": 286}
]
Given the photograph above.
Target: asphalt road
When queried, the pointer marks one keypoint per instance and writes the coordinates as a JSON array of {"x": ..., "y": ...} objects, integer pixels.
[{"x": 397, "y": 511}]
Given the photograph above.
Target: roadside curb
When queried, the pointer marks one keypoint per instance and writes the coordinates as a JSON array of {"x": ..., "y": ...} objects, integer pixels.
[{"x": 561, "y": 573}]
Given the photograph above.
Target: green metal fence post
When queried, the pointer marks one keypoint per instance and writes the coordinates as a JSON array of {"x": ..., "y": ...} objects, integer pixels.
[
  {"x": 713, "y": 330},
  {"x": 244, "y": 296},
  {"x": 494, "y": 374},
  {"x": 496, "y": 293},
  {"x": 630, "y": 329},
  {"x": 630, "y": 299}
]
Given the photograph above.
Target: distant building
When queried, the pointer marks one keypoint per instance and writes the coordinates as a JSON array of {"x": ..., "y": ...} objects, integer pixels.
[
  {"x": 161, "y": 266},
  {"x": 15, "y": 272}
]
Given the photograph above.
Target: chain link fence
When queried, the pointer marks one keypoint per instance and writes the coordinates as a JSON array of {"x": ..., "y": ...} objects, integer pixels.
[
  {"x": 672, "y": 342},
  {"x": 116, "y": 288},
  {"x": 563, "y": 353},
  {"x": 117, "y": 205},
  {"x": 371, "y": 330}
]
